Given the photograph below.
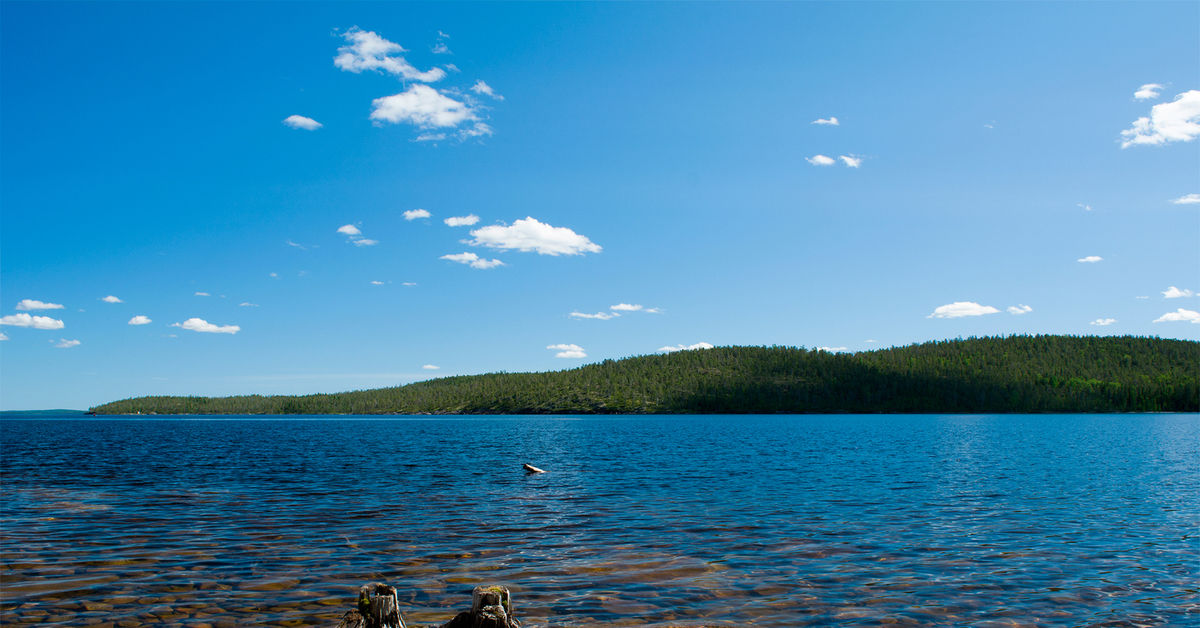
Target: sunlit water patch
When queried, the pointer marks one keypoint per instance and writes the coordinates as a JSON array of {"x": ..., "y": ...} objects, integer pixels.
[{"x": 999, "y": 520}]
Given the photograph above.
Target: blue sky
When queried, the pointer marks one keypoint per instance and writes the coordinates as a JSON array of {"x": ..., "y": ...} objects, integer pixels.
[{"x": 264, "y": 187}]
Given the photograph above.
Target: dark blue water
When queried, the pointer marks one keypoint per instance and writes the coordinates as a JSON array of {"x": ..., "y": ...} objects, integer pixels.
[{"x": 997, "y": 520}]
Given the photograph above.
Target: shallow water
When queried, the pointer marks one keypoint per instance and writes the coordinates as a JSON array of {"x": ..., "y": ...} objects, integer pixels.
[{"x": 992, "y": 520}]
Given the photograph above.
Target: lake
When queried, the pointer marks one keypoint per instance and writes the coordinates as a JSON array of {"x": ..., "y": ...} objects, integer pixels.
[{"x": 930, "y": 520}]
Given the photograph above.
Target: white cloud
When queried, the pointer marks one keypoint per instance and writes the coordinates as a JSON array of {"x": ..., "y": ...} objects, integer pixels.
[
  {"x": 461, "y": 221},
  {"x": 365, "y": 242},
  {"x": 1175, "y": 293},
  {"x": 2, "y": 336},
  {"x": 63, "y": 343},
  {"x": 451, "y": 67},
  {"x": 422, "y": 106},
  {"x": 442, "y": 35},
  {"x": 409, "y": 283},
  {"x": 853, "y": 162},
  {"x": 625, "y": 307},
  {"x": 36, "y": 322},
  {"x": 990, "y": 125},
  {"x": 960, "y": 309},
  {"x": 430, "y": 137},
  {"x": 483, "y": 88},
  {"x": 474, "y": 260},
  {"x": 301, "y": 247},
  {"x": 442, "y": 49},
  {"x": 478, "y": 130},
  {"x": 1176, "y": 121},
  {"x": 349, "y": 230},
  {"x": 300, "y": 122},
  {"x": 1091, "y": 259},
  {"x": 196, "y": 324},
  {"x": 1087, "y": 207},
  {"x": 273, "y": 275},
  {"x": 652, "y": 310},
  {"x": 604, "y": 316},
  {"x": 821, "y": 160},
  {"x": 1103, "y": 321},
  {"x": 368, "y": 51},
  {"x": 140, "y": 320},
  {"x": 247, "y": 305},
  {"x": 376, "y": 283},
  {"x": 568, "y": 351},
  {"x": 1190, "y": 199},
  {"x": 31, "y": 304},
  {"x": 414, "y": 214},
  {"x": 430, "y": 367},
  {"x": 1179, "y": 315},
  {"x": 831, "y": 121},
  {"x": 832, "y": 349},
  {"x": 698, "y": 345},
  {"x": 1147, "y": 91},
  {"x": 1141, "y": 297},
  {"x": 872, "y": 341},
  {"x": 530, "y": 235},
  {"x": 203, "y": 294},
  {"x": 1020, "y": 308}
]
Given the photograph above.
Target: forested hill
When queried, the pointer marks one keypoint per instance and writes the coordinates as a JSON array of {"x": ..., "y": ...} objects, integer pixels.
[{"x": 984, "y": 375}]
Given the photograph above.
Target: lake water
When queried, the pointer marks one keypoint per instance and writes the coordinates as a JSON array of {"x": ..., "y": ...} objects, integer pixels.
[{"x": 992, "y": 520}]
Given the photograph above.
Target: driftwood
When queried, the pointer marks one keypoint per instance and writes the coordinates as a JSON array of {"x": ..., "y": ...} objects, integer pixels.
[
  {"x": 378, "y": 607},
  {"x": 531, "y": 469},
  {"x": 491, "y": 607}
]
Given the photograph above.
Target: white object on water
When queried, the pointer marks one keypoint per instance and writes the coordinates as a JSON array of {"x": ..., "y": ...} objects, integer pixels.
[{"x": 532, "y": 469}]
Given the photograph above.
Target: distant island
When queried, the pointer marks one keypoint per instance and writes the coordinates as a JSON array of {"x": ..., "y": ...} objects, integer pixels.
[{"x": 975, "y": 375}]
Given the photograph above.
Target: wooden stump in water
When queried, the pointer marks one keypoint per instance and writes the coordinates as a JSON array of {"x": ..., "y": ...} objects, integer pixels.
[
  {"x": 491, "y": 607},
  {"x": 378, "y": 607}
]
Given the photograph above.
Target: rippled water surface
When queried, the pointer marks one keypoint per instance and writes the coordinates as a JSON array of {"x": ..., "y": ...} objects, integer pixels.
[{"x": 995, "y": 520}]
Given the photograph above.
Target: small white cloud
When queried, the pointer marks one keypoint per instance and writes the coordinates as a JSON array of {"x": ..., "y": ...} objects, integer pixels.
[
  {"x": 368, "y": 51},
  {"x": 483, "y": 88},
  {"x": 442, "y": 35},
  {"x": 831, "y": 121},
  {"x": 2, "y": 336},
  {"x": 853, "y": 162},
  {"x": 273, "y": 275},
  {"x": 698, "y": 345},
  {"x": 473, "y": 260},
  {"x": 653, "y": 310},
  {"x": 409, "y": 283},
  {"x": 530, "y": 235},
  {"x": 196, "y": 324},
  {"x": 1087, "y": 207},
  {"x": 441, "y": 49},
  {"x": 604, "y": 316},
  {"x": 349, "y": 230},
  {"x": 1175, "y": 293},
  {"x": 63, "y": 343},
  {"x": 1176, "y": 121},
  {"x": 1190, "y": 199},
  {"x": 300, "y": 122},
  {"x": 290, "y": 243},
  {"x": 833, "y": 349},
  {"x": 247, "y": 305},
  {"x": 36, "y": 322},
  {"x": 1179, "y": 315},
  {"x": 568, "y": 351},
  {"x": 1091, "y": 259},
  {"x": 365, "y": 242},
  {"x": 414, "y": 214},
  {"x": 450, "y": 67},
  {"x": 872, "y": 341},
  {"x": 423, "y": 107},
  {"x": 1147, "y": 91},
  {"x": 1019, "y": 309},
  {"x": 430, "y": 137},
  {"x": 990, "y": 125},
  {"x": 821, "y": 160},
  {"x": 625, "y": 307},
  {"x": 1103, "y": 321},
  {"x": 462, "y": 221},
  {"x": 1141, "y": 297},
  {"x": 111, "y": 299},
  {"x": 31, "y": 304},
  {"x": 140, "y": 320},
  {"x": 203, "y": 294},
  {"x": 376, "y": 283},
  {"x": 430, "y": 367},
  {"x": 960, "y": 309}
]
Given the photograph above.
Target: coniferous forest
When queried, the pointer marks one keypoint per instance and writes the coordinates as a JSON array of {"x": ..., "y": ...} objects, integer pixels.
[{"x": 975, "y": 375}]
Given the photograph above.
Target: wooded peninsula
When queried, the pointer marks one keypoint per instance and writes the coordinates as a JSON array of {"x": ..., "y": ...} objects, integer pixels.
[{"x": 975, "y": 375}]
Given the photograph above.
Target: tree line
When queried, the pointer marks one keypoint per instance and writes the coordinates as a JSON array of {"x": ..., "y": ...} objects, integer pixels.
[{"x": 1041, "y": 373}]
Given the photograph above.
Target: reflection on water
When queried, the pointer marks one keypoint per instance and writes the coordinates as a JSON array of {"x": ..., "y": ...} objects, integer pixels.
[{"x": 995, "y": 520}]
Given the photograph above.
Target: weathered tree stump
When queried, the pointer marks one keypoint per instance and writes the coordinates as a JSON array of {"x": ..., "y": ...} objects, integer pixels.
[
  {"x": 491, "y": 607},
  {"x": 378, "y": 607}
]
